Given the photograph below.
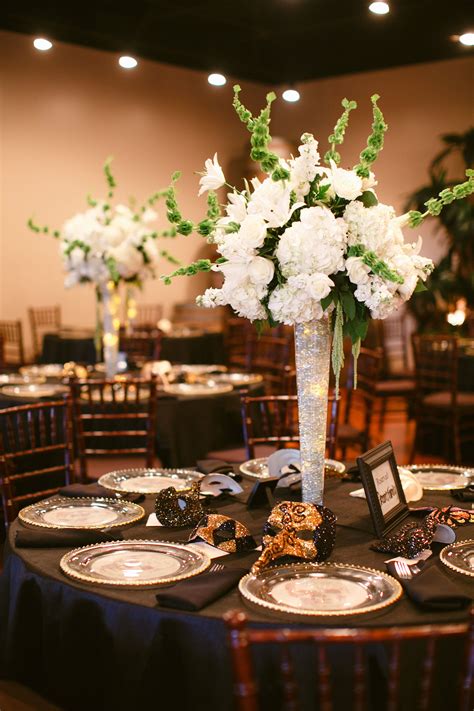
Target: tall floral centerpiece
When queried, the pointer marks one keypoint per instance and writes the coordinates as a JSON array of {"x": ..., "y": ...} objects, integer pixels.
[
  {"x": 311, "y": 246},
  {"x": 108, "y": 245}
]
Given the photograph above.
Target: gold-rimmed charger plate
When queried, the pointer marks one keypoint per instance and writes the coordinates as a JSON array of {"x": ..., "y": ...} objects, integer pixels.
[
  {"x": 148, "y": 481},
  {"x": 208, "y": 389},
  {"x": 134, "y": 564},
  {"x": 441, "y": 477},
  {"x": 18, "y": 379},
  {"x": 237, "y": 380},
  {"x": 34, "y": 391},
  {"x": 319, "y": 590},
  {"x": 81, "y": 513},
  {"x": 258, "y": 468},
  {"x": 459, "y": 556},
  {"x": 46, "y": 370}
]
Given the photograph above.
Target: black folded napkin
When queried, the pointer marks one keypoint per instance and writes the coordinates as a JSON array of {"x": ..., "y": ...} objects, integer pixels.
[
  {"x": 64, "y": 538},
  {"x": 198, "y": 592},
  {"x": 432, "y": 589},
  {"x": 466, "y": 494},
  {"x": 96, "y": 491},
  {"x": 218, "y": 466}
]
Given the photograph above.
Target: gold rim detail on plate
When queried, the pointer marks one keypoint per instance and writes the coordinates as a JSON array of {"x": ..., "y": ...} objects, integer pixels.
[
  {"x": 140, "y": 513},
  {"x": 331, "y": 466},
  {"x": 295, "y": 613},
  {"x": 84, "y": 578},
  {"x": 187, "y": 476},
  {"x": 444, "y": 553}
]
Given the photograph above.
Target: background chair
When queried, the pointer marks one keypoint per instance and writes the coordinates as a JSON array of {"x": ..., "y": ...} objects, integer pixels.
[
  {"x": 440, "y": 406},
  {"x": 243, "y": 640},
  {"x": 36, "y": 456},
  {"x": 147, "y": 316},
  {"x": 140, "y": 347},
  {"x": 359, "y": 408},
  {"x": 44, "y": 319},
  {"x": 237, "y": 343},
  {"x": 114, "y": 417},
  {"x": 2, "y": 353},
  {"x": 273, "y": 420},
  {"x": 272, "y": 357},
  {"x": 12, "y": 336}
]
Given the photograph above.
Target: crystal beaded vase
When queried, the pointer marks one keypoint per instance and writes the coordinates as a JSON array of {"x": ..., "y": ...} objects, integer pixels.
[
  {"x": 312, "y": 351},
  {"x": 110, "y": 299}
]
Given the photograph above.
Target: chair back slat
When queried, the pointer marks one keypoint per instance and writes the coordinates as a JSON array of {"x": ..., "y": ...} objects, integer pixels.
[
  {"x": 36, "y": 457},
  {"x": 43, "y": 319},
  {"x": 436, "y": 364},
  {"x": 243, "y": 639},
  {"x": 289, "y": 687},
  {"x": 147, "y": 316},
  {"x": 101, "y": 406},
  {"x": 141, "y": 347},
  {"x": 12, "y": 339}
]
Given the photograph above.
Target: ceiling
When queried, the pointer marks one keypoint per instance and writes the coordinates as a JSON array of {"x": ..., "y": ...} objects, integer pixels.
[{"x": 271, "y": 41}]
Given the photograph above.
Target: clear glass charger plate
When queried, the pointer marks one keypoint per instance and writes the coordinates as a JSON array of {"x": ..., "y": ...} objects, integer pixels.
[
  {"x": 314, "y": 590},
  {"x": 81, "y": 513},
  {"x": 17, "y": 379},
  {"x": 459, "y": 557},
  {"x": 258, "y": 468},
  {"x": 33, "y": 391},
  {"x": 148, "y": 481},
  {"x": 47, "y": 370},
  {"x": 197, "y": 389},
  {"x": 441, "y": 477},
  {"x": 237, "y": 380},
  {"x": 133, "y": 563}
]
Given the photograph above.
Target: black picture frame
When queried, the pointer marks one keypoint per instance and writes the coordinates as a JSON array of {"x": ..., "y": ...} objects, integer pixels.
[{"x": 383, "y": 488}]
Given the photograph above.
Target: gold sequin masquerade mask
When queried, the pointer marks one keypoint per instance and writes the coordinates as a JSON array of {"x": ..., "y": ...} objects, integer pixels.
[
  {"x": 224, "y": 533},
  {"x": 306, "y": 531}
]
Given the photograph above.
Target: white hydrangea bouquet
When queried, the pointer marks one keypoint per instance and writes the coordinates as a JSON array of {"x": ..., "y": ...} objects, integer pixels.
[
  {"x": 109, "y": 242},
  {"x": 310, "y": 239}
]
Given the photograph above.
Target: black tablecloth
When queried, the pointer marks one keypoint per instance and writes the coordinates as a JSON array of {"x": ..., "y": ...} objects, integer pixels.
[
  {"x": 208, "y": 348},
  {"x": 88, "y": 647}
]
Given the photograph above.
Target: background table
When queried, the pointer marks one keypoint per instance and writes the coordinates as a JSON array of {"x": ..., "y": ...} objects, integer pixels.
[
  {"x": 89, "y": 647},
  {"x": 207, "y": 348}
]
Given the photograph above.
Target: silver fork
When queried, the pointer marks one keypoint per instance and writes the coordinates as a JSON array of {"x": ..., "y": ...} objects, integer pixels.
[
  {"x": 216, "y": 568},
  {"x": 406, "y": 571}
]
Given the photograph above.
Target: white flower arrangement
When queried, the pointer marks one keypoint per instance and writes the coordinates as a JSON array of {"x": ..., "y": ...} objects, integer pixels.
[
  {"x": 310, "y": 239},
  {"x": 109, "y": 242}
]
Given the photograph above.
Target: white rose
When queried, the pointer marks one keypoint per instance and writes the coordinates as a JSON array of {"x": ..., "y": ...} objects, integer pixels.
[
  {"x": 346, "y": 183},
  {"x": 253, "y": 231},
  {"x": 213, "y": 178},
  {"x": 234, "y": 272},
  {"x": 319, "y": 286},
  {"x": 357, "y": 271},
  {"x": 261, "y": 270},
  {"x": 76, "y": 257}
]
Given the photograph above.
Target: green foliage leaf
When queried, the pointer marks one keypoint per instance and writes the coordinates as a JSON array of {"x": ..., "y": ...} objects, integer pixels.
[{"x": 368, "y": 199}]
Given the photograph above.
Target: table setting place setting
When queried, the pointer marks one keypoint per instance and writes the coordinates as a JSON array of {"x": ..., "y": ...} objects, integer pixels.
[{"x": 193, "y": 535}]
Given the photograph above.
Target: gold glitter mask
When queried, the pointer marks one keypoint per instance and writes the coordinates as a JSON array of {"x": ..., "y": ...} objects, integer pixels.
[
  {"x": 298, "y": 530},
  {"x": 179, "y": 508},
  {"x": 224, "y": 533}
]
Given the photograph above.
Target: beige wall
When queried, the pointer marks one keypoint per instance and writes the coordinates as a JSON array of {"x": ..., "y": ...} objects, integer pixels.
[
  {"x": 420, "y": 103},
  {"x": 62, "y": 112}
]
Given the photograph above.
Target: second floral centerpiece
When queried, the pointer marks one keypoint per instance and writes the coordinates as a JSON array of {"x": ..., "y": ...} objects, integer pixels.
[{"x": 310, "y": 246}]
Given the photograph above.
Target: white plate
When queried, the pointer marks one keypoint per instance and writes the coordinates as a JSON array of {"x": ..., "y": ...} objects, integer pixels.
[
  {"x": 258, "y": 468},
  {"x": 441, "y": 477},
  {"x": 197, "y": 389},
  {"x": 33, "y": 391},
  {"x": 148, "y": 481}
]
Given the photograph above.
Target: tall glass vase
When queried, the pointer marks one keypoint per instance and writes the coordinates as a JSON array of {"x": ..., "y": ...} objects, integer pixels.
[
  {"x": 312, "y": 351},
  {"x": 110, "y": 298}
]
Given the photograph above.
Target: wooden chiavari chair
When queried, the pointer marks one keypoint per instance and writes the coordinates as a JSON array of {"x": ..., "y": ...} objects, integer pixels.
[
  {"x": 140, "y": 347},
  {"x": 147, "y": 316},
  {"x": 237, "y": 338},
  {"x": 273, "y": 420},
  {"x": 271, "y": 356},
  {"x": 44, "y": 319},
  {"x": 2, "y": 353},
  {"x": 13, "y": 349},
  {"x": 36, "y": 457},
  {"x": 114, "y": 417},
  {"x": 439, "y": 403},
  {"x": 360, "y": 402},
  {"x": 396, "y": 642}
]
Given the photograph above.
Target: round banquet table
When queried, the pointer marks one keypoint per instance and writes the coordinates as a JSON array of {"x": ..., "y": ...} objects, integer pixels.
[
  {"x": 187, "y": 427},
  {"x": 90, "y": 647},
  {"x": 207, "y": 348}
]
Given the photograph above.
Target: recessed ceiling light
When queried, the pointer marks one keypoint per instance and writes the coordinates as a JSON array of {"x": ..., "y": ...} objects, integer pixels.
[
  {"x": 379, "y": 8},
  {"x": 42, "y": 44},
  {"x": 217, "y": 79},
  {"x": 291, "y": 95},
  {"x": 467, "y": 38},
  {"x": 127, "y": 62}
]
